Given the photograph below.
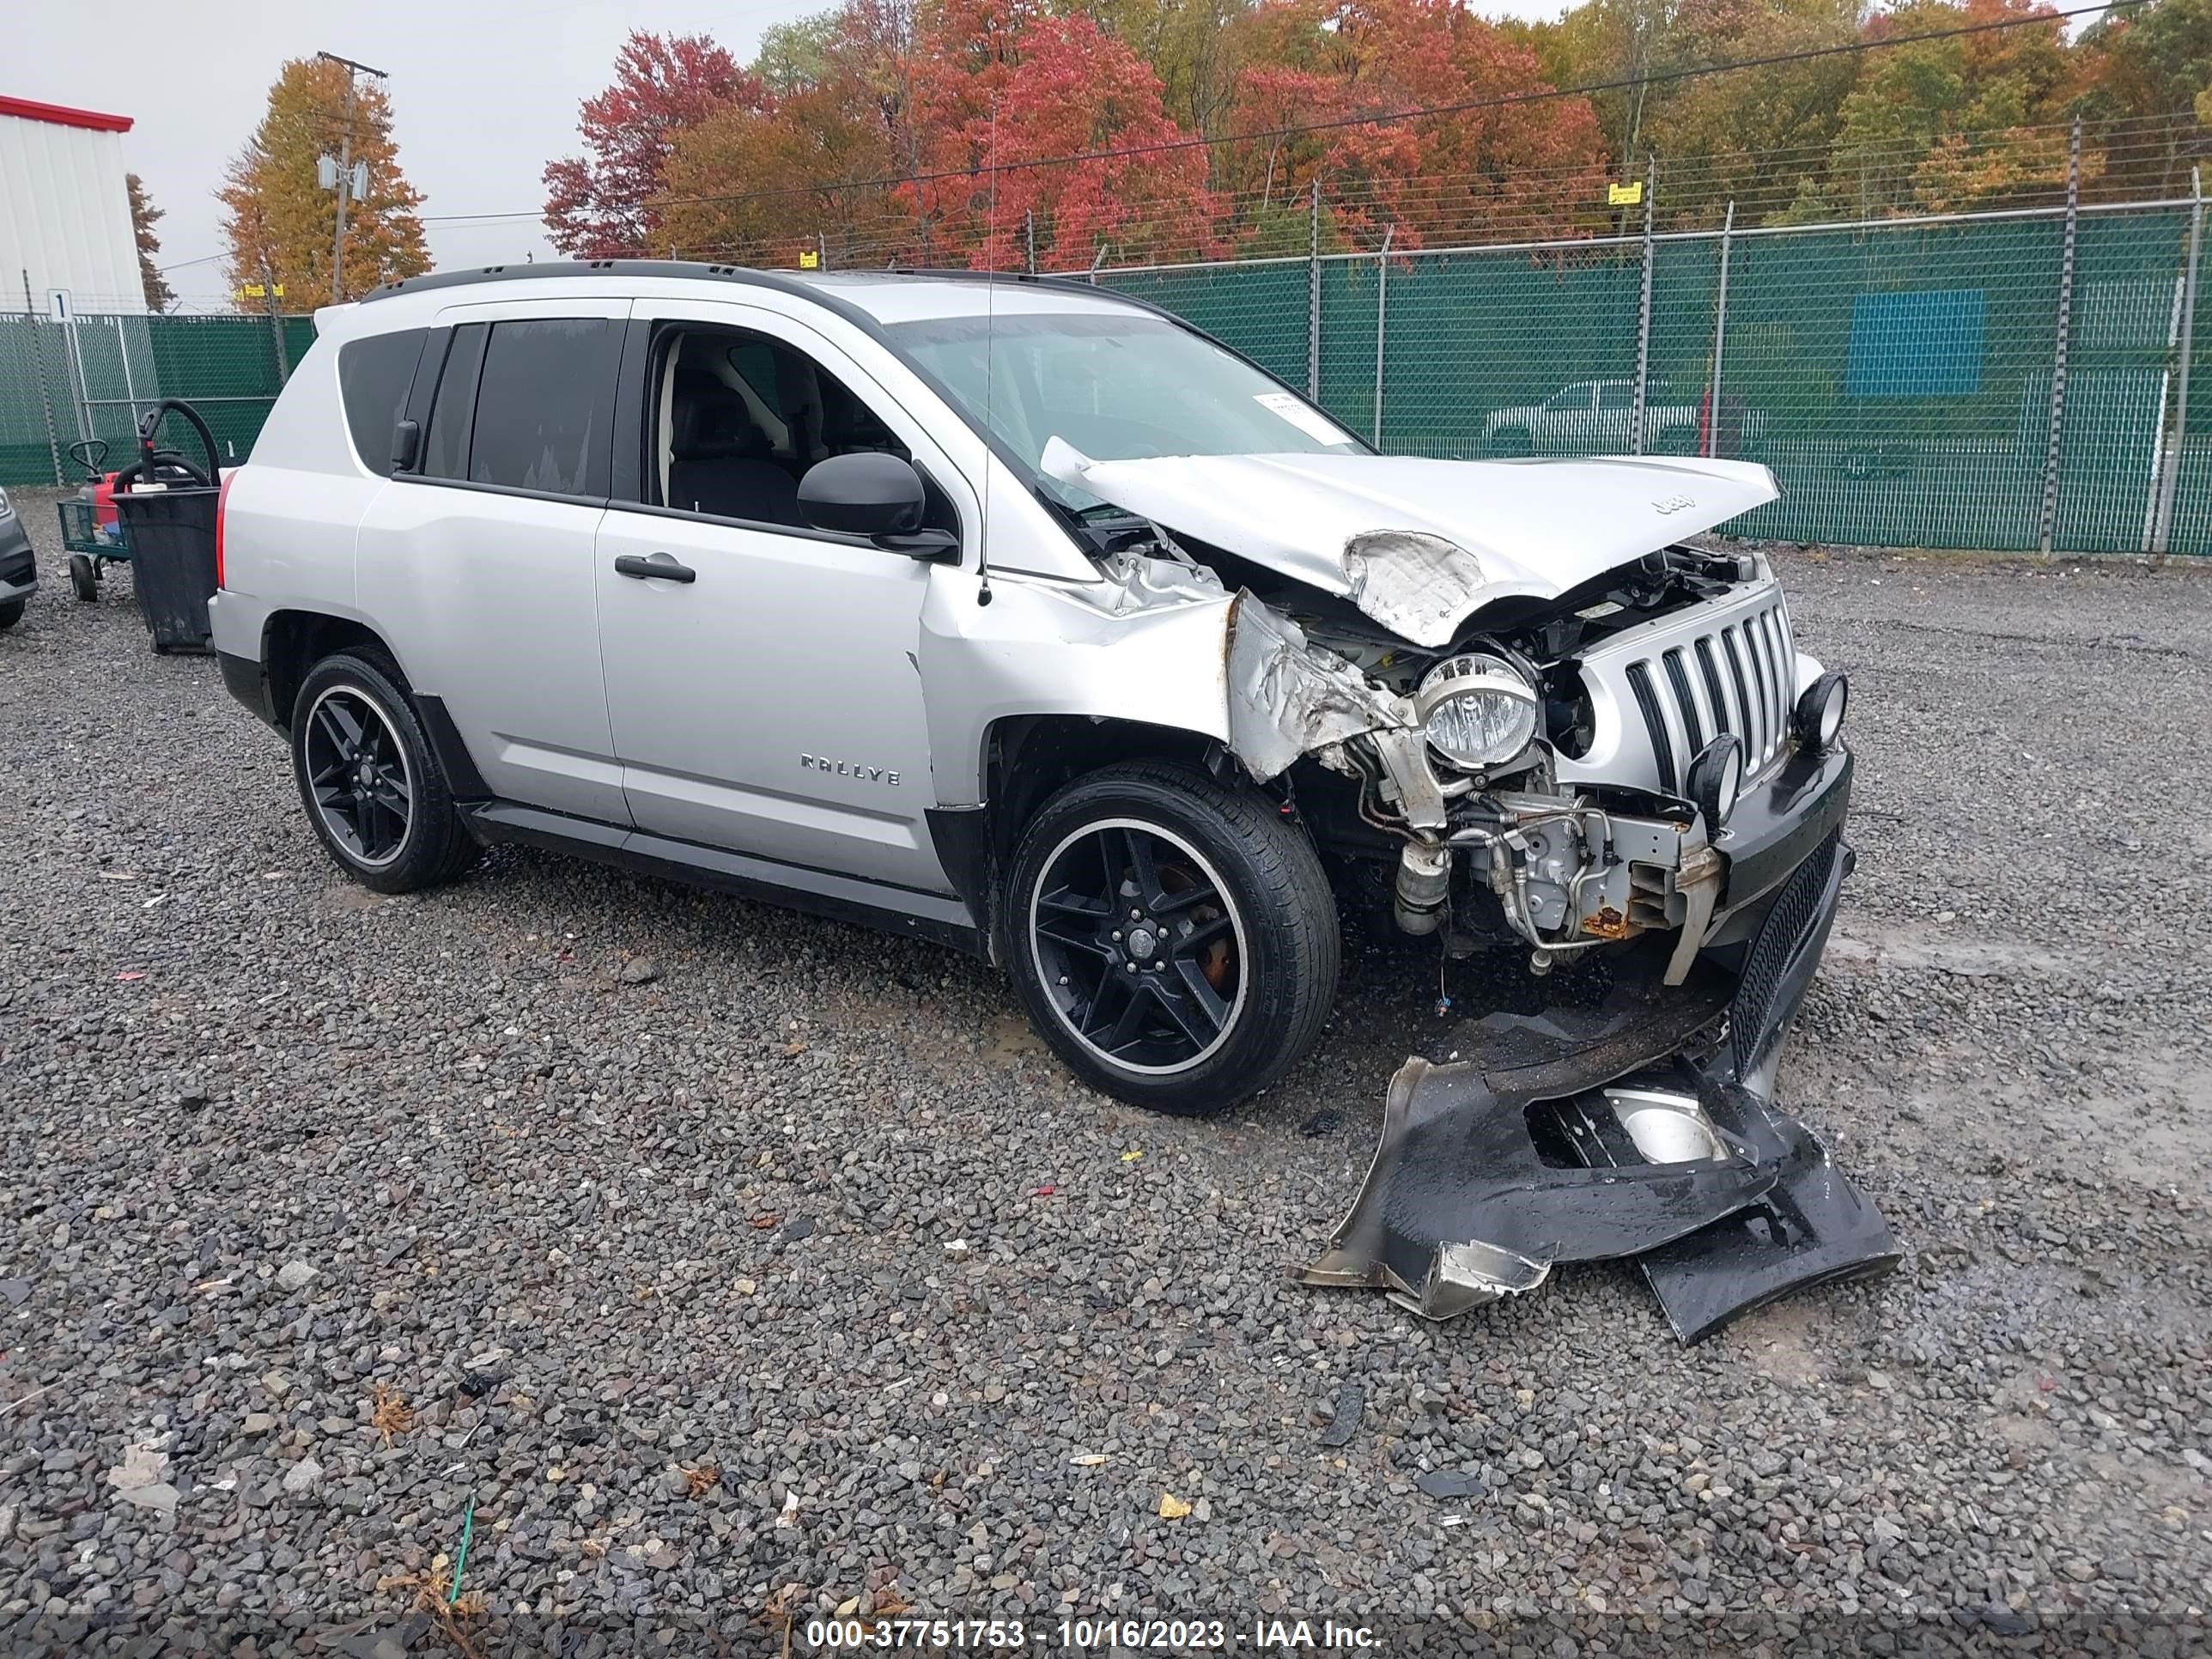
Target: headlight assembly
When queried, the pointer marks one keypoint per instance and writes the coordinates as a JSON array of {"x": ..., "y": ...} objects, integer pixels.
[
  {"x": 6, "y": 507},
  {"x": 1478, "y": 710}
]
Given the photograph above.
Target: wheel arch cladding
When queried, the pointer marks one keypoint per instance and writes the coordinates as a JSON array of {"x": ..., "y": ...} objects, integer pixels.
[{"x": 293, "y": 641}]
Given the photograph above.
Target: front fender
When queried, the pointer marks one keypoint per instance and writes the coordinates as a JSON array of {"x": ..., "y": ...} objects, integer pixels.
[{"x": 1152, "y": 652}]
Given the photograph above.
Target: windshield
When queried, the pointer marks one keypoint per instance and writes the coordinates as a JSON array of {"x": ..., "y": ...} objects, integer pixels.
[{"x": 1117, "y": 385}]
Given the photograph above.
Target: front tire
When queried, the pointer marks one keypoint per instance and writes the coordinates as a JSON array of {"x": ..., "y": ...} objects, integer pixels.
[
  {"x": 1173, "y": 940},
  {"x": 11, "y": 613},
  {"x": 373, "y": 789},
  {"x": 84, "y": 577}
]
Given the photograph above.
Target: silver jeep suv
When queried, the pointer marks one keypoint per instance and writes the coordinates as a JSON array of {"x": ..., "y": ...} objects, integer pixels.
[{"x": 1026, "y": 618}]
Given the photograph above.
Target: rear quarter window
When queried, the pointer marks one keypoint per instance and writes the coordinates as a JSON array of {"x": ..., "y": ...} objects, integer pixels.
[{"x": 375, "y": 374}]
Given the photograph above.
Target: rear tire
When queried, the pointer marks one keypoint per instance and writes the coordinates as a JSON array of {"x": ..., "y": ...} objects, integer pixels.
[
  {"x": 372, "y": 788},
  {"x": 1219, "y": 981}
]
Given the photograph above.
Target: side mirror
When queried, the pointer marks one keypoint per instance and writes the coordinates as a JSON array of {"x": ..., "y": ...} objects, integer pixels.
[
  {"x": 876, "y": 495},
  {"x": 406, "y": 446},
  {"x": 862, "y": 494}
]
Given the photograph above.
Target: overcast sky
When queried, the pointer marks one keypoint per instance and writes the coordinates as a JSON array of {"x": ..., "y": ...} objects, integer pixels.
[{"x": 484, "y": 93}]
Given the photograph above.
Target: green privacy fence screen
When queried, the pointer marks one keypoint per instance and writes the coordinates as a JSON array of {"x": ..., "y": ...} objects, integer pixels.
[
  {"x": 1899, "y": 376},
  {"x": 89, "y": 376}
]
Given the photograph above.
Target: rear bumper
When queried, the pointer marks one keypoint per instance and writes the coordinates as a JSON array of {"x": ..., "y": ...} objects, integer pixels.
[{"x": 245, "y": 679}]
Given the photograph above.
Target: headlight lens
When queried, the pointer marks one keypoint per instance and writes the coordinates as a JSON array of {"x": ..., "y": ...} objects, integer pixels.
[
  {"x": 6, "y": 507},
  {"x": 1478, "y": 710}
]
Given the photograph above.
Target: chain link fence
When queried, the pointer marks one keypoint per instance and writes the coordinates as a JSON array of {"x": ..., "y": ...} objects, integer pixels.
[
  {"x": 94, "y": 376},
  {"x": 2033, "y": 379},
  {"x": 1908, "y": 380}
]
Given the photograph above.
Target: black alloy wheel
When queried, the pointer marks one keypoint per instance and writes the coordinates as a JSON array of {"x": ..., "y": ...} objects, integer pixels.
[
  {"x": 373, "y": 790},
  {"x": 361, "y": 782},
  {"x": 1140, "y": 946},
  {"x": 1171, "y": 935}
]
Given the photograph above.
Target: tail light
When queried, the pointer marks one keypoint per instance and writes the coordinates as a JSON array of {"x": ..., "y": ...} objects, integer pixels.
[{"x": 222, "y": 511}]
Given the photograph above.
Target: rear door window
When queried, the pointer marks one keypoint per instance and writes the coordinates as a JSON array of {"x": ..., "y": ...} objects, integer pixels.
[
  {"x": 374, "y": 375},
  {"x": 544, "y": 405}
]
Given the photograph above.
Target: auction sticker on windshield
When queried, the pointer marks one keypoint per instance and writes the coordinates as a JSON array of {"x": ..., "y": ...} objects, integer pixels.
[{"x": 1311, "y": 421}]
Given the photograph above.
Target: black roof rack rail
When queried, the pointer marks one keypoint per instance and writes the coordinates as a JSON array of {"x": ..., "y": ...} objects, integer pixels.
[{"x": 688, "y": 269}]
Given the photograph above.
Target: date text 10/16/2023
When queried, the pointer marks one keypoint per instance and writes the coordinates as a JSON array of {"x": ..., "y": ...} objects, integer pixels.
[{"x": 1082, "y": 1635}]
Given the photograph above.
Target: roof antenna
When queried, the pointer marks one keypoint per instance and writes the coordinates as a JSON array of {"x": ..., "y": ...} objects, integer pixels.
[{"x": 990, "y": 343}]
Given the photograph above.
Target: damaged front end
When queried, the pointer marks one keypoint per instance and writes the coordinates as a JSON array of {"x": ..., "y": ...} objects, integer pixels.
[{"x": 1531, "y": 722}]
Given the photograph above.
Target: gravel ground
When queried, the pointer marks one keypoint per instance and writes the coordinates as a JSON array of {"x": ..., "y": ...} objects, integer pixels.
[{"x": 732, "y": 1264}]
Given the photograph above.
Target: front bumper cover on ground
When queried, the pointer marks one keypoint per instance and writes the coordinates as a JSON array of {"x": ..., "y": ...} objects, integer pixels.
[{"x": 1663, "y": 1145}]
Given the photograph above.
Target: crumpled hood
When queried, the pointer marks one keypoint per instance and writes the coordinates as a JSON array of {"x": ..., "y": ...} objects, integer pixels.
[{"x": 1421, "y": 545}]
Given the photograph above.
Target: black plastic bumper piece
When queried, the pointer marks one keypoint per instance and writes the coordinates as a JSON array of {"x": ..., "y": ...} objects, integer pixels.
[
  {"x": 1814, "y": 1227},
  {"x": 1462, "y": 1207},
  {"x": 1778, "y": 825},
  {"x": 243, "y": 678}
]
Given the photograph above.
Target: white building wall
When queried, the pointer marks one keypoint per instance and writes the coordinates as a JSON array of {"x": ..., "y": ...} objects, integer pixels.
[{"x": 65, "y": 217}]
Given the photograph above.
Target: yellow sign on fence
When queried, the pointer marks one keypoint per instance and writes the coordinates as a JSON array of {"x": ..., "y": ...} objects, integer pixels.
[
  {"x": 810, "y": 260},
  {"x": 1624, "y": 195},
  {"x": 255, "y": 291}
]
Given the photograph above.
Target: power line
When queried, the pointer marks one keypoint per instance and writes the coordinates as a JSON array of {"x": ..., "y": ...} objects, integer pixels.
[{"x": 1507, "y": 100}]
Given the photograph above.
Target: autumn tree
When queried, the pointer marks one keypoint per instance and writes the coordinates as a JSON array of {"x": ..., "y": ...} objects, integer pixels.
[
  {"x": 277, "y": 218},
  {"x": 795, "y": 55},
  {"x": 1062, "y": 87},
  {"x": 1192, "y": 46},
  {"x": 2152, "y": 68},
  {"x": 1485, "y": 152},
  {"x": 160, "y": 296},
  {"x": 1753, "y": 135},
  {"x": 1941, "y": 125},
  {"x": 599, "y": 205}
]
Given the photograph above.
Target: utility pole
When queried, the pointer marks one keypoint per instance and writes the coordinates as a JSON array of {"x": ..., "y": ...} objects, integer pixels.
[{"x": 344, "y": 179}]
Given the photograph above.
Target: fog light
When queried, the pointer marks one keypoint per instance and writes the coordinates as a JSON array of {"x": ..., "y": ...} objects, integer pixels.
[
  {"x": 1667, "y": 1125},
  {"x": 1716, "y": 779},
  {"x": 1820, "y": 712}
]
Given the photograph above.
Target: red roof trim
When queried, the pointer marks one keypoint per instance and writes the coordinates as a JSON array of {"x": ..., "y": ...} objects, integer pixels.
[{"x": 61, "y": 115}]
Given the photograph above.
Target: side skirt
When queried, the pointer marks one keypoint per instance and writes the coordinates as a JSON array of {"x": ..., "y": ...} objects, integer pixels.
[{"x": 935, "y": 916}]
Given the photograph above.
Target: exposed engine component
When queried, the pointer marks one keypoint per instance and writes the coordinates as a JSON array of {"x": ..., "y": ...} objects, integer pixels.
[{"x": 1424, "y": 887}]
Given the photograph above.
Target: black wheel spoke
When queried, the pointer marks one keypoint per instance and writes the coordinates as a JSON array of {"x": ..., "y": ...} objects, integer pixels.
[
  {"x": 1130, "y": 1025},
  {"x": 1209, "y": 1001},
  {"x": 1183, "y": 1009},
  {"x": 1201, "y": 935},
  {"x": 1184, "y": 898},
  {"x": 1063, "y": 902},
  {"x": 1113, "y": 992},
  {"x": 1084, "y": 941},
  {"x": 1143, "y": 867},
  {"x": 344, "y": 729}
]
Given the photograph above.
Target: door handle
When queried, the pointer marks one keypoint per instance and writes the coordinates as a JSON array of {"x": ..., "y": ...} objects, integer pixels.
[{"x": 661, "y": 567}]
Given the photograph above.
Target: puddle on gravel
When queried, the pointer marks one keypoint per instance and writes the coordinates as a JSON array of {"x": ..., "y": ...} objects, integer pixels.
[
  {"x": 1974, "y": 959},
  {"x": 1009, "y": 1037},
  {"x": 2161, "y": 1137}
]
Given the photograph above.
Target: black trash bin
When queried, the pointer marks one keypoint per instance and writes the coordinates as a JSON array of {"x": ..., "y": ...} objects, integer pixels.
[{"x": 167, "y": 508}]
